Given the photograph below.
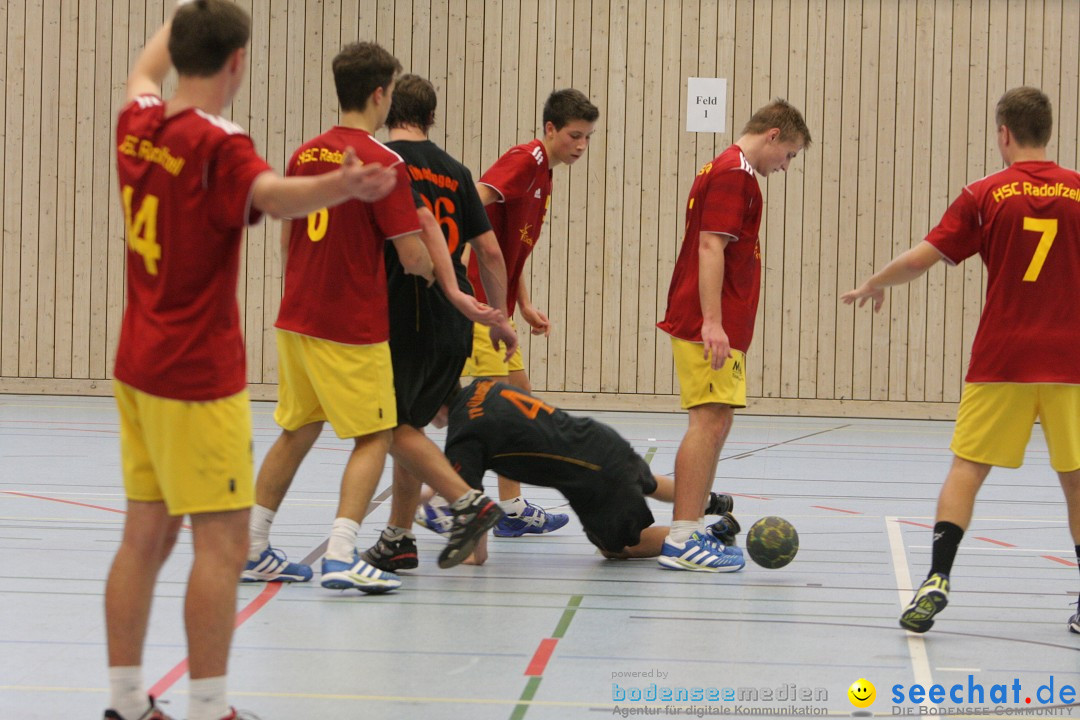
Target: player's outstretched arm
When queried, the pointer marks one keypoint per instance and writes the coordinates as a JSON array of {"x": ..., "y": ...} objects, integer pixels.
[
  {"x": 902, "y": 269},
  {"x": 292, "y": 197},
  {"x": 465, "y": 304}
]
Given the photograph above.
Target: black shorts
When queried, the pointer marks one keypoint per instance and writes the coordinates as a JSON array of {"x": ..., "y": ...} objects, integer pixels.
[
  {"x": 615, "y": 518},
  {"x": 429, "y": 344}
]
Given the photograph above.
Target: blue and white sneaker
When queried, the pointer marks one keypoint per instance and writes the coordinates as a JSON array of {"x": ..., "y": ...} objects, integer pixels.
[
  {"x": 357, "y": 575},
  {"x": 435, "y": 516},
  {"x": 534, "y": 520},
  {"x": 274, "y": 566},
  {"x": 700, "y": 554}
]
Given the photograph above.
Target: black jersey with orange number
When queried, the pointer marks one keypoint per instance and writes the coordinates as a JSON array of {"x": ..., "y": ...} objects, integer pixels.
[{"x": 495, "y": 426}]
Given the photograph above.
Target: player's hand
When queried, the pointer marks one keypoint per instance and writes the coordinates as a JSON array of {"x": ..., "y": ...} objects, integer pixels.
[
  {"x": 537, "y": 320},
  {"x": 504, "y": 333},
  {"x": 716, "y": 344},
  {"x": 366, "y": 181},
  {"x": 863, "y": 293},
  {"x": 475, "y": 310}
]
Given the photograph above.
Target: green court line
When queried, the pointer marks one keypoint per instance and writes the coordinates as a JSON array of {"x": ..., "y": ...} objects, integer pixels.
[
  {"x": 567, "y": 616},
  {"x": 649, "y": 454},
  {"x": 526, "y": 698},
  {"x": 534, "y": 682}
]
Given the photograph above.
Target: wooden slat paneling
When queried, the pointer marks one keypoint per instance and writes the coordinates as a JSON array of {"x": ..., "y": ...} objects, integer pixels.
[{"x": 899, "y": 96}]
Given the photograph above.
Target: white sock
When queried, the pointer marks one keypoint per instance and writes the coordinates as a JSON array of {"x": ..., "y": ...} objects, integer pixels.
[
  {"x": 681, "y": 530},
  {"x": 465, "y": 500},
  {"x": 343, "y": 539},
  {"x": 259, "y": 529},
  {"x": 514, "y": 507},
  {"x": 128, "y": 694},
  {"x": 207, "y": 699}
]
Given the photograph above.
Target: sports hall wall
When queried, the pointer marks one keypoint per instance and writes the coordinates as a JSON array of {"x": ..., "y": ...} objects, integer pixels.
[{"x": 897, "y": 94}]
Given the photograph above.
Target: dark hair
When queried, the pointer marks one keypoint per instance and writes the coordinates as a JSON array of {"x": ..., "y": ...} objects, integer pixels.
[
  {"x": 414, "y": 103},
  {"x": 782, "y": 115},
  {"x": 1026, "y": 111},
  {"x": 204, "y": 34},
  {"x": 565, "y": 106},
  {"x": 361, "y": 68}
]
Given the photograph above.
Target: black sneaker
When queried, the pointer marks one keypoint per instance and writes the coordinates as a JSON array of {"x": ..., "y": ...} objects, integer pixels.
[
  {"x": 725, "y": 529},
  {"x": 1074, "y": 621},
  {"x": 392, "y": 555},
  {"x": 470, "y": 524},
  {"x": 719, "y": 504}
]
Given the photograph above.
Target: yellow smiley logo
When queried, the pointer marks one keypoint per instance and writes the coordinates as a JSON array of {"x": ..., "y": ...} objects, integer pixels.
[{"x": 862, "y": 693}]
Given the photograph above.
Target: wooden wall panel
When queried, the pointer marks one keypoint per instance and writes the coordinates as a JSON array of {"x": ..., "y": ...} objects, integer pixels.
[{"x": 898, "y": 95}]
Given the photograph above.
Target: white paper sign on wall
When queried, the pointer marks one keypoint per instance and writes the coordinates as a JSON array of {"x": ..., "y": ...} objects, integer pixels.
[{"x": 706, "y": 104}]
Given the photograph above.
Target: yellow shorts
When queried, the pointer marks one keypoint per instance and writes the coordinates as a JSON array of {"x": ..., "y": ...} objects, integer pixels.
[
  {"x": 193, "y": 456},
  {"x": 699, "y": 384},
  {"x": 994, "y": 423},
  {"x": 485, "y": 361},
  {"x": 349, "y": 386}
]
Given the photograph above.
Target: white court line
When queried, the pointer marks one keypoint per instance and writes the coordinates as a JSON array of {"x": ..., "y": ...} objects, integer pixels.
[{"x": 916, "y": 645}]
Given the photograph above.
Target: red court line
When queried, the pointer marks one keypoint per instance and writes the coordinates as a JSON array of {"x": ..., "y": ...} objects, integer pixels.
[
  {"x": 912, "y": 522},
  {"x": 995, "y": 542},
  {"x": 541, "y": 656},
  {"x": 60, "y": 500},
  {"x": 825, "y": 507},
  {"x": 73, "y": 502},
  {"x": 256, "y": 604},
  {"x": 755, "y": 497},
  {"x": 1063, "y": 561}
]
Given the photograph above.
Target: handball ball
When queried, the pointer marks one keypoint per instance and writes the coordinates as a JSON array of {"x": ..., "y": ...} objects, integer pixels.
[{"x": 772, "y": 542}]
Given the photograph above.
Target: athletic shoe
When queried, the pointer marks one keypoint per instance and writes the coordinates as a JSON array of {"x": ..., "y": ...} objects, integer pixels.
[
  {"x": 1074, "y": 622},
  {"x": 470, "y": 524},
  {"x": 700, "y": 554},
  {"x": 357, "y": 575},
  {"x": 274, "y": 566},
  {"x": 719, "y": 504},
  {"x": 153, "y": 713},
  {"x": 931, "y": 598},
  {"x": 392, "y": 555},
  {"x": 534, "y": 520},
  {"x": 725, "y": 529},
  {"x": 435, "y": 517}
]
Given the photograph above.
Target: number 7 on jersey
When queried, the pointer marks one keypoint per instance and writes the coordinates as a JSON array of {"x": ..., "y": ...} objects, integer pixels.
[{"x": 1048, "y": 227}]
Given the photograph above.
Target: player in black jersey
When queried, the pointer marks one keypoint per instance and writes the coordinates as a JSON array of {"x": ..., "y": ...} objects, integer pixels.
[
  {"x": 429, "y": 338},
  {"x": 496, "y": 426}
]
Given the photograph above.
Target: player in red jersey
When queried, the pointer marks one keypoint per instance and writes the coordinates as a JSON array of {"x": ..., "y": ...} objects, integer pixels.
[
  {"x": 333, "y": 336},
  {"x": 190, "y": 181},
  {"x": 516, "y": 191},
  {"x": 1023, "y": 360},
  {"x": 712, "y": 302}
]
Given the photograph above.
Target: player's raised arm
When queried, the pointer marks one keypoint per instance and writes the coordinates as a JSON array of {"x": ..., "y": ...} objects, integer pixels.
[{"x": 904, "y": 268}]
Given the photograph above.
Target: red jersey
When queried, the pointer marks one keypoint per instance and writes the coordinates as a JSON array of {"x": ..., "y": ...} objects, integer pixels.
[
  {"x": 335, "y": 276},
  {"x": 725, "y": 198},
  {"x": 522, "y": 177},
  {"x": 185, "y": 184},
  {"x": 1025, "y": 223}
]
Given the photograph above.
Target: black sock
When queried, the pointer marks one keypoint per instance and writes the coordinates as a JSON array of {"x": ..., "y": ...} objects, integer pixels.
[
  {"x": 1078, "y": 563},
  {"x": 947, "y": 538}
]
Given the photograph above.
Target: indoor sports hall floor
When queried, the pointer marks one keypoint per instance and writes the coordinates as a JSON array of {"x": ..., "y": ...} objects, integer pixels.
[{"x": 548, "y": 629}]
